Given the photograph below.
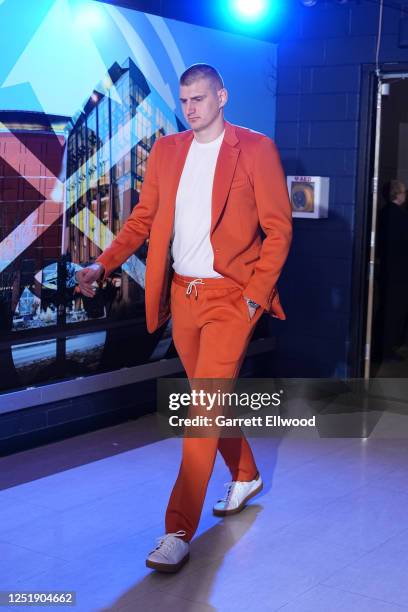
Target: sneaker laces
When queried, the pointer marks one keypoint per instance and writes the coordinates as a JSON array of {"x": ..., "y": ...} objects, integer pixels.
[
  {"x": 166, "y": 543},
  {"x": 227, "y": 496}
]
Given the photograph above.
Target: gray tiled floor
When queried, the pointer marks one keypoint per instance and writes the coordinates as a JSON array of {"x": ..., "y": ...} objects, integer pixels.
[{"x": 328, "y": 533}]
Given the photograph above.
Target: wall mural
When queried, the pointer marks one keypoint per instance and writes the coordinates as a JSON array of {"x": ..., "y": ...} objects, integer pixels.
[{"x": 85, "y": 90}]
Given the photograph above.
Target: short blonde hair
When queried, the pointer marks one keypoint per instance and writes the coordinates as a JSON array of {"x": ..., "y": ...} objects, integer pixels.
[{"x": 202, "y": 71}]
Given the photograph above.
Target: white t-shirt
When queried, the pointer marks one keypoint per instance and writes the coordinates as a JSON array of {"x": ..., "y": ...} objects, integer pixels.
[{"x": 191, "y": 250}]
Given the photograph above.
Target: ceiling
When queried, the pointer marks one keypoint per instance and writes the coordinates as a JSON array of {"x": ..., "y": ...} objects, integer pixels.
[{"x": 213, "y": 14}]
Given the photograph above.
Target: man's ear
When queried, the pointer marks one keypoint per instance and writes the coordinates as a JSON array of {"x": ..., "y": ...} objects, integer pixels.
[{"x": 222, "y": 97}]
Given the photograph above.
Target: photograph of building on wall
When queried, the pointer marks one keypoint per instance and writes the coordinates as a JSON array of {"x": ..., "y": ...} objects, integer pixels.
[
  {"x": 107, "y": 149},
  {"x": 32, "y": 173}
]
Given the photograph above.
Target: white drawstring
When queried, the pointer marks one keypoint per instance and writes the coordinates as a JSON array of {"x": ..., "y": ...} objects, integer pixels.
[{"x": 194, "y": 283}]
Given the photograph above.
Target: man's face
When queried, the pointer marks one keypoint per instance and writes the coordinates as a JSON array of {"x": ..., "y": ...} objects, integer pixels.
[{"x": 201, "y": 103}]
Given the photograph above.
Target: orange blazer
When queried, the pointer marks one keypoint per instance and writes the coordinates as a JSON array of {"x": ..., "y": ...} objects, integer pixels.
[{"x": 249, "y": 192}]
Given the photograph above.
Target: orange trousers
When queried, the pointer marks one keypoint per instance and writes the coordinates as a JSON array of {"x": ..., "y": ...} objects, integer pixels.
[{"x": 211, "y": 332}]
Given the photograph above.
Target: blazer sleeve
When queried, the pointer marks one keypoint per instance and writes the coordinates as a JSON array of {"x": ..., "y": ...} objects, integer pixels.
[
  {"x": 275, "y": 218},
  {"x": 138, "y": 225}
]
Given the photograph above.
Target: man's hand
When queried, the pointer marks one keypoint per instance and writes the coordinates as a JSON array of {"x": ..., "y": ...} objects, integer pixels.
[{"x": 87, "y": 277}]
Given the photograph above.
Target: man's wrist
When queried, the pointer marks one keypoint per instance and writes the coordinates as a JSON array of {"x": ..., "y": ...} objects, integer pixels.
[{"x": 100, "y": 266}]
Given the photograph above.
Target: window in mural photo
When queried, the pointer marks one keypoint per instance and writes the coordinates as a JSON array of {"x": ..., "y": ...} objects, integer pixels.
[
  {"x": 76, "y": 129},
  {"x": 32, "y": 152}
]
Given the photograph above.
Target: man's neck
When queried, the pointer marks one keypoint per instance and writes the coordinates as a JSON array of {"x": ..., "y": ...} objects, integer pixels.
[{"x": 211, "y": 132}]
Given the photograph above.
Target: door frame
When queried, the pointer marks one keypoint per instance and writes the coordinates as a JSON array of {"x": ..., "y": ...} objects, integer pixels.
[{"x": 364, "y": 238}]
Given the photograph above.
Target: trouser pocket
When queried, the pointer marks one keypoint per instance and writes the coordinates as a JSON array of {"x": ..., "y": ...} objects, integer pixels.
[{"x": 244, "y": 306}]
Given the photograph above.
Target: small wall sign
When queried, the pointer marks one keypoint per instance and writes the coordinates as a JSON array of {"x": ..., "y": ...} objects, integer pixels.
[{"x": 309, "y": 196}]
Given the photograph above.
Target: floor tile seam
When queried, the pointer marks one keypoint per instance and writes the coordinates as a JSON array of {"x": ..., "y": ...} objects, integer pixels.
[
  {"x": 332, "y": 588},
  {"x": 368, "y": 597},
  {"x": 379, "y": 487},
  {"x": 72, "y": 559},
  {"x": 109, "y": 543},
  {"x": 45, "y": 506},
  {"x": 390, "y": 489},
  {"x": 314, "y": 459},
  {"x": 309, "y": 461},
  {"x": 98, "y": 498},
  {"x": 369, "y": 551},
  {"x": 356, "y": 560},
  {"x": 353, "y": 491},
  {"x": 176, "y": 597},
  {"x": 40, "y": 574},
  {"x": 72, "y": 468},
  {"x": 338, "y": 549},
  {"x": 40, "y": 481},
  {"x": 358, "y": 555},
  {"x": 321, "y": 507},
  {"x": 336, "y": 451},
  {"x": 33, "y": 551},
  {"x": 282, "y": 528},
  {"x": 354, "y": 557},
  {"x": 7, "y": 541},
  {"x": 380, "y": 467},
  {"x": 293, "y": 600},
  {"x": 34, "y": 504},
  {"x": 41, "y": 478},
  {"x": 367, "y": 460},
  {"x": 288, "y": 486},
  {"x": 95, "y": 460}
]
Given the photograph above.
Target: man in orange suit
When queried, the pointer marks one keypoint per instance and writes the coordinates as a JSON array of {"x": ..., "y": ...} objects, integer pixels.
[{"x": 206, "y": 194}]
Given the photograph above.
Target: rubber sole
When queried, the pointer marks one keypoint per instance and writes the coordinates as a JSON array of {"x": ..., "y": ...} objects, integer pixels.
[
  {"x": 168, "y": 568},
  {"x": 241, "y": 506}
]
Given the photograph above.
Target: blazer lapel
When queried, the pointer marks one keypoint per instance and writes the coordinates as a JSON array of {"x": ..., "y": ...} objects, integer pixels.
[{"x": 224, "y": 173}]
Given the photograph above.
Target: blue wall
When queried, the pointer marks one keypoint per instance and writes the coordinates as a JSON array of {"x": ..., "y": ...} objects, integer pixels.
[{"x": 320, "y": 61}]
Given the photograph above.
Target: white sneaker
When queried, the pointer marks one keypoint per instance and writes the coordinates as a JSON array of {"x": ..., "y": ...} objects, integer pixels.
[
  {"x": 170, "y": 554},
  {"x": 238, "y": 494}
]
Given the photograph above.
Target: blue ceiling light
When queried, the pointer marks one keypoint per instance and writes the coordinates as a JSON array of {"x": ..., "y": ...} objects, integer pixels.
[
  {"x": 257, "y": 18},
  {"x": 250, "y": 10}
]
